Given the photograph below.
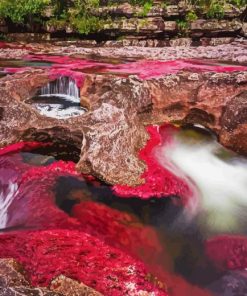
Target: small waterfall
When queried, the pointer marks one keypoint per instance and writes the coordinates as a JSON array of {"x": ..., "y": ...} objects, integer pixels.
[
  {"x": 220, "y": 179},
  {"x": 7, "y": 195},
  {"x": 62, "y": 86}
]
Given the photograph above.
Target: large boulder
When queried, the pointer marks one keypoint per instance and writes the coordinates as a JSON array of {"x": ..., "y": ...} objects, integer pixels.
[{"x": 113, "y": 132}]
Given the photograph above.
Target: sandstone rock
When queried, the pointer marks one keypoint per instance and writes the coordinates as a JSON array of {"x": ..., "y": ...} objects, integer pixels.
[
  {"x": 135, "y": 25},
  {"x": 216, "y": 26},
  {"x": 232, "y": 11},
  {"x": 216, "y": 41},
  {"x": 208, "y": 98},
  {"x": 181, "y": 42},
  {"x": 171, "y": 11},
  {"x": 29, "y": 37},
  {"x": 69, "y": 287},
  {"x": 113, "y": 132},
  {"x": 244, "y": 30},
  {"x": 12, "y": 281},
  {"x": 170, "y": 26}
]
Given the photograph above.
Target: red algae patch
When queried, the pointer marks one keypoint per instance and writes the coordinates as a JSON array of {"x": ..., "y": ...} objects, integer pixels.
[
  {"x": 28, "y": 196},
  {"x": 75, "y": 254},
  {"x": 159, "y": 181},
  {"x": 227, "y": 251},
  {"x": 22, "y": 146},
  {"x": 125, "y": 231},
  {"x": 120, "y": 229},
  {"x": 144, "y": 69},
  {"x": 152, "y": 69}
]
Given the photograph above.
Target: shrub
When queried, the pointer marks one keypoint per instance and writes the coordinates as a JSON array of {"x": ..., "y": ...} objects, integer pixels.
[{"x": 20, "y": 10}]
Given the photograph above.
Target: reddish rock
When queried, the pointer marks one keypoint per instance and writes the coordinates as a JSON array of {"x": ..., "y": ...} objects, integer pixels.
[
  {"x": 113, "y": 132},
  {"x": 159, "y": 181}
]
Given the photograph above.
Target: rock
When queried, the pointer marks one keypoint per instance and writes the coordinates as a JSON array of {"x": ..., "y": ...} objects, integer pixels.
[
  {"x": 207, "y": 99},
  {"x": 150, "y": 25},
  {"x": 232, "y": 11},
  {"x": 28, "y": 37},
  {"x": 127, "y": 10},
  {"x": 216, "y": 41},
  {"x": 231, "y": 283},
  {"x": 109, "y": 105},
  {"x": 113, "y": 132},
  {"x": 69, "y": 287},
  {"x": 216, "y": 26},
  {"x": 181, "y": 42},
  {"x": 13, "y": 282},
  {"x": 244, "y": 30},
  {"x": 171, "y": 11},
  {"x": 170, "y": 26}
]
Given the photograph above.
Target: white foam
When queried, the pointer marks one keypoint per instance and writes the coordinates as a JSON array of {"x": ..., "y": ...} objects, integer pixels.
[
  {"x": 221, "y": 192},
  {"x": 6, "y": 198},
  {"x": 63, "y": 85}
]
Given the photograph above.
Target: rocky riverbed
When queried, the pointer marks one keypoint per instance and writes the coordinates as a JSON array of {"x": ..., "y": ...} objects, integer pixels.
[{"x": 89, "y": 201}]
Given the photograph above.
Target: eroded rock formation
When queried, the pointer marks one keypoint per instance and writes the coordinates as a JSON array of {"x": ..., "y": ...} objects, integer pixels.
[{"x": 112, "y": 133}]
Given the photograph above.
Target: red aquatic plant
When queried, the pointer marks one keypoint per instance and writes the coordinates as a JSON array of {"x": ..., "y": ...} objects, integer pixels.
[
  {"x": 159, "y": 181},
  {"x": 76, "y": 254},
  {"x": 227, "y": 251}
]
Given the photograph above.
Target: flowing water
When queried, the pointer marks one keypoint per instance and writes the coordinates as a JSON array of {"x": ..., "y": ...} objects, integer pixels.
[
  {"x": 37, "y": 191},
  {"x": 58, "y": 99}
]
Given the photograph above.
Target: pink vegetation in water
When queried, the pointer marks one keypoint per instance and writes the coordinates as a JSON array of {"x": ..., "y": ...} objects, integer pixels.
[
  {"x": 144, "y": 69},
  {"x": 227, "y": 251},
  {"x": 92, "y": 246},
  {"x": 27, "y": 190},
  {"x": 123, "y": 230},
  {"x": 159, "y": 181},
  {"x": 63, "y": 247},
  {"x": 76, "y": 254}
]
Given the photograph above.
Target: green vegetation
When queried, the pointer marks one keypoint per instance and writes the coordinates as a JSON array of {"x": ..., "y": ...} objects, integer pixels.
[
  {"x": 146, "y": 8},
  {"x": 77, "y": 14},
  {"x": 20, "y": 11},
  {"x": 191, "y": 16},
  {"x": 80, "y": 16},
  {"x": 216, "y": 10}
]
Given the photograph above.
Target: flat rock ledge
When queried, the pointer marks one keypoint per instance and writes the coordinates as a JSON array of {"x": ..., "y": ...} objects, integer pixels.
[{"x": 111, "y": 134}]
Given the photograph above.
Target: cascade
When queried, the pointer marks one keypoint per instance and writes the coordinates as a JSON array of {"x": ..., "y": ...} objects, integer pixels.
[{"x": 62, "y": 86}]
